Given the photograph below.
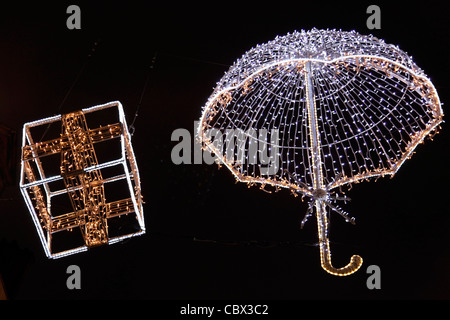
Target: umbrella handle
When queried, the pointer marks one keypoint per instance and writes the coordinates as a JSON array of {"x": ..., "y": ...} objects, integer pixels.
[{"x": 324, "y": 243}]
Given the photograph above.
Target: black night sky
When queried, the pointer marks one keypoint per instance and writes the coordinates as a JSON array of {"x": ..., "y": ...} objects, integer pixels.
[{"x": 207, "y": 236}]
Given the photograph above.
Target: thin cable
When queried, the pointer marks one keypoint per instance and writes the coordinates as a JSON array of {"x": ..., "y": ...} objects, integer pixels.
[
  {"x": 131, "y": 128},
  {"x": 72, "y": 86},
  {"x": 197, "y": 60}
]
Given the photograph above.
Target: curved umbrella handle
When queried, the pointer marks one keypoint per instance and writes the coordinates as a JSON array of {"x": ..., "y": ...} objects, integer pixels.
[{"x": 325, "y": 253}]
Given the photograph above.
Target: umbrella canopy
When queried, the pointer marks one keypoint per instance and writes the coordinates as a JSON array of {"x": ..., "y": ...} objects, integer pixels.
[{"x": 315, "y": 110}]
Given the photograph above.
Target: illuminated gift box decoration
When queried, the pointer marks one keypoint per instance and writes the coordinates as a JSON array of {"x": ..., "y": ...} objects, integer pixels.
[{"x": 82, "y": 185}]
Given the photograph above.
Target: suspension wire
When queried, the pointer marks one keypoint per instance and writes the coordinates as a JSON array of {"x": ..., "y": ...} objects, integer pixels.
[
  {"x": 131, "y": 128},
  {"x": 238, "y": 243},
  {"x": 177, "y": 56},
  {"x": 257, "y": 243},
  {"x": 90, "y": 54}
]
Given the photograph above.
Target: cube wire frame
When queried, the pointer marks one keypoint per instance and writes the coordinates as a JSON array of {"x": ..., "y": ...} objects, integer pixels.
[{"x": 83, "y": 180}]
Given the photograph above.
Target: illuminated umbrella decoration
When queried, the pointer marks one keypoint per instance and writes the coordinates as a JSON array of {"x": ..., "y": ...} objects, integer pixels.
[{"x": 343, "y": 107}]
